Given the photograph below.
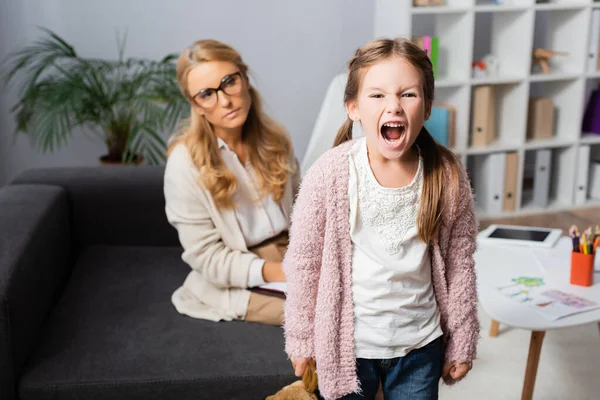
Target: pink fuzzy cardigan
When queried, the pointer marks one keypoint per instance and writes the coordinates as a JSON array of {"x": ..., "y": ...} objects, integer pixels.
[{"x": 319, "y": 312}]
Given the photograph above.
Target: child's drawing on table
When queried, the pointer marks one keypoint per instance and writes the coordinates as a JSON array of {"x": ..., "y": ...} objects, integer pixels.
[
  {"x": 568, "y": 299},
  {"x": 526, "y": 281},
  {"x": 521, "y": 287},
  {"x": 551, "y": 302}
]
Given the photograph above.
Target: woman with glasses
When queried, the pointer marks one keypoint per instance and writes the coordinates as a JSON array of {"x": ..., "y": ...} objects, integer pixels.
[{"x": 230, "y": 180}]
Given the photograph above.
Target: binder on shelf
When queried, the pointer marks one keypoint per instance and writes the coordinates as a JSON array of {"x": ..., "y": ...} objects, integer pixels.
[
  {"x": 594, "y": 187},
  {"x": 540, "y": 118},
  {"x": 441, "y": 124},
  {"x": 510, "y": 181},
  {"x": 593, "y": 61},
  {"x": 484, "y": 116},
  {"x": 581, "y": 176},
  {"x": 541, "y": 177},
  {"x": 489, "y": 182}
]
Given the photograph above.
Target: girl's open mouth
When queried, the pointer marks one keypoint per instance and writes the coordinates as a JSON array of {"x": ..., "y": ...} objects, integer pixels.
[{"x": 393, "y": 132}]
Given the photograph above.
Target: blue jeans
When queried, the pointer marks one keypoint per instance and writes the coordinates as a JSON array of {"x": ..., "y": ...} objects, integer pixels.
[{"x": 415, "y": 376}]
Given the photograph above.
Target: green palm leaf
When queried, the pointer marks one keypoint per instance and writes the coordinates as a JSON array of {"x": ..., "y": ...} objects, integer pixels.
[{"x": 132, "y": 101}]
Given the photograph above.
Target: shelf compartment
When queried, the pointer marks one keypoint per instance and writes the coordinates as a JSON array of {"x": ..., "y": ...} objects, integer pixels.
[
  {"x": 507, "y": 36},
  {"x": 458, "y": 98},
  {"x": 548, "y": 178},
  {"x": 566, "y": 104},
  {"x": 507, "y": 121},
  {"x": 494, "y": 179},
  {"x": 554, "y": 30},
  {"x": 454, "y": 62}
]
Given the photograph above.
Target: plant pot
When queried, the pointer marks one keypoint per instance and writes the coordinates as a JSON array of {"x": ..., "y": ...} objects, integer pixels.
[{"x": 105, "y": 161}]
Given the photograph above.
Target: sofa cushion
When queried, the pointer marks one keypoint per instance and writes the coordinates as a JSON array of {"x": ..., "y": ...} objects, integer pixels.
[
  {"x": 114, "y": 334},
  {"x": 116, "y": 205}
]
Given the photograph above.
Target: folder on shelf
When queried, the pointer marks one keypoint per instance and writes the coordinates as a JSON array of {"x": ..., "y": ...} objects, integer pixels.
[
  {"x": 541, "y": 177},
  {"x": 594, "y": 187},
  {"x": 441, "y": 124},
  {"x": 593, "y": 61},
  {"x": 581, "y": 174},
  {"x": 483, "y": 124},
  {"x": 489, "y": 182},
  {"x": 510, "y": 181},
  {"x": 540, "y": 120}
]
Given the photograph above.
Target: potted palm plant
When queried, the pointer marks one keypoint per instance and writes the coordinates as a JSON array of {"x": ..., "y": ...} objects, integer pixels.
[{"x": 127, "y": 103}]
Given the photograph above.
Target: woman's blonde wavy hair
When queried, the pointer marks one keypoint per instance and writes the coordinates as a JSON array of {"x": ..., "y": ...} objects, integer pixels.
[{"x": 269, "y": 147}]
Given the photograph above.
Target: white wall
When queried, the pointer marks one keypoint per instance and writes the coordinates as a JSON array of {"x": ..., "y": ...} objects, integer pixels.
[{"x": 293, "y": 49}]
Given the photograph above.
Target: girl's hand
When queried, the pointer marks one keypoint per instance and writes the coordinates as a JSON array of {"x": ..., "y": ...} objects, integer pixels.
[
  {"x": 300, "y": 364},
  {"x": 456, "y": 371}
]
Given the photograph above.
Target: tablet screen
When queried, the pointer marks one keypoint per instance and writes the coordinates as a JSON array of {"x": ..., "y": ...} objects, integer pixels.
[{"x": 519, "y": 234}]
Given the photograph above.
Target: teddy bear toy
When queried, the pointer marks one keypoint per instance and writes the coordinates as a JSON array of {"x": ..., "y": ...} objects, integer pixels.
[{"x": 302, "y": 389}]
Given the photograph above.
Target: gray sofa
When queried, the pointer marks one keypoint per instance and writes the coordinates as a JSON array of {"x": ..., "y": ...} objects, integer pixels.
[{"x": 88, "y": 263}]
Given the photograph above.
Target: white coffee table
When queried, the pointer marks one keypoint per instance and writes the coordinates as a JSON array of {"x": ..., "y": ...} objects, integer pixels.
[{"x": 497, "y": 263}]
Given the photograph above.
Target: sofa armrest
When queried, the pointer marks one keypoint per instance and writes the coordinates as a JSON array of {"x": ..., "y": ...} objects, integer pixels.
[{"x": 35, "y": 247}]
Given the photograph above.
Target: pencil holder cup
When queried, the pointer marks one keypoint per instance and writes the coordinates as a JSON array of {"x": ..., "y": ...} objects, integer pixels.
[{"x": 582, "y": 269}]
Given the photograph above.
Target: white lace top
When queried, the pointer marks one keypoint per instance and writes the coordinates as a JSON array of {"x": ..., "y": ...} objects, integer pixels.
[{"x": 394, "y": 303}]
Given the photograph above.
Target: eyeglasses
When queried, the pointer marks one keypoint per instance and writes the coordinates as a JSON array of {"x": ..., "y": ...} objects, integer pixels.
[{"x": 230, "y": 85}]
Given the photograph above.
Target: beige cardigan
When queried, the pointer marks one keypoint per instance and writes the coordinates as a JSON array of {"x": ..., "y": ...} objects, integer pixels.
[{"x": 213, "y": 243}]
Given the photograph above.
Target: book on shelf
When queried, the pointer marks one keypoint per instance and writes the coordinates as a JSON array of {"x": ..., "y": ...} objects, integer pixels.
[
  {"x": 441, "y": 124},
  {"x": 427, "y": 3},
  {"x": 431, "y": 45}
]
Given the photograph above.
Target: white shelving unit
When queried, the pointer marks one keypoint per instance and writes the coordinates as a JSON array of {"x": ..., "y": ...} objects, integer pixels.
[{"x": 470, "y": 29}]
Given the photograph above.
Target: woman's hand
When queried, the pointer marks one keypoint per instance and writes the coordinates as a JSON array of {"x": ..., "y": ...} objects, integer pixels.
[
  {"x": 273, "y": 272},
  {"x": 300, "y": 364},
  {"x": 455, "y": 370}
]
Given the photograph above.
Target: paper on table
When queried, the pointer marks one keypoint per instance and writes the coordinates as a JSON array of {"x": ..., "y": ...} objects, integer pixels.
[{"x": 552, "y": 302}]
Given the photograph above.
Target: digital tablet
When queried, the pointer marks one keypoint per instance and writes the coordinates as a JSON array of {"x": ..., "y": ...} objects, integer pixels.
[{"x": 520, "y": 235}]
